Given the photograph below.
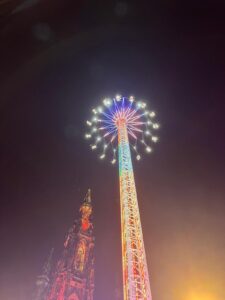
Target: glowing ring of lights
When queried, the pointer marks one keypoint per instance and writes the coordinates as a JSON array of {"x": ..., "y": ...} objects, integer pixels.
[{"x": 140, "y": 121}]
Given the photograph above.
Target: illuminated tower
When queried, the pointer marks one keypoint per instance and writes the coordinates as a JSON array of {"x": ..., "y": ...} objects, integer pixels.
[
  {"x": 116, "y": 126},
  {"x": 74, "y": 276}
]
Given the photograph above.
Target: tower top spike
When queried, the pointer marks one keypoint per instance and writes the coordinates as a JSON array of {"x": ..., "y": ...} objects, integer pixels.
[
  {"x": 87, "y": 198},
  {"x": 86, "y": 212}
]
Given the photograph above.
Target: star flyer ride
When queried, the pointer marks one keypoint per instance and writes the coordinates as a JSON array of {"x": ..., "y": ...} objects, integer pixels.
[{"x": 116, "y": 127}]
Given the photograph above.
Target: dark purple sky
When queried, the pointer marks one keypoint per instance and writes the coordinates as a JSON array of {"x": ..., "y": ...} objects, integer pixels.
[{"x": 57, "y": 62}]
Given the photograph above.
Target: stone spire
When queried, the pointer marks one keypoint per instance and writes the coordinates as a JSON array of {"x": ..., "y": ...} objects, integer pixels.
[
  {"x": 87, "y": 198},
  {"x": 73, "y": 278}
]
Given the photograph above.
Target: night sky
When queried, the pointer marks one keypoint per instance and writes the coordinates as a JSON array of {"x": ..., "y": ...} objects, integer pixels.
[{"x": 57, "y": 61}]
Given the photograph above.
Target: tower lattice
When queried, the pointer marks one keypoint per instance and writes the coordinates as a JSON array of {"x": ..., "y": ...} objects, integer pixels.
[{"x": 135, "y": 270}]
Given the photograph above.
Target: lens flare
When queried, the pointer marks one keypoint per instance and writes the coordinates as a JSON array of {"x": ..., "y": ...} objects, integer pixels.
[{"x": 200, "y": 296}]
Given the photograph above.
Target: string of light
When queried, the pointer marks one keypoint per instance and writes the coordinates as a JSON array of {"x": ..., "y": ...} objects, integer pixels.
[{"x": 103, "y": 129}]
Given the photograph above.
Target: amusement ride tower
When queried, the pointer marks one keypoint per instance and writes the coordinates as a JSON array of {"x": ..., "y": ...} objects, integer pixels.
[{"x": 119, "y": 125}]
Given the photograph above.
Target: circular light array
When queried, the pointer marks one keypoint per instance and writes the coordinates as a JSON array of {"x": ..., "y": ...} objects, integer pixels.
[{"x": 140, "y": 122}]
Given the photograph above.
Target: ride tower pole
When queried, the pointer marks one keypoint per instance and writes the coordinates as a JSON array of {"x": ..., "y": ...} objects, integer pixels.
[
  {"x": 134, "y": 125},
  {"x": 136, "y": 285}
]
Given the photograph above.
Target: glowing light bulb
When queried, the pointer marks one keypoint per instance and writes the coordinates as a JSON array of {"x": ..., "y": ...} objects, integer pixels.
[
  {"x": 134, "y": 147},
  {"x": 148, "y": 149},
  {"x": 113, "y": 161},
  {"x": 100, "y": 109},
  {"x": 143, "y": 105},
  {"x": 105, "y": 146},
  {"x": 93, "y": 147},
  {"x": 155, "y": 139},
  {"x": 107, "y": 102},
  {"x": 98, "y": 139},
  {"x": 88, "y": 136},
  {"x": 94, "y": 129},
  {"x": 139, "y": 104},
  {"x": 152, "y": 114},
  {"x": 118, "y": 97},
  {"x": 102, "y": 156},
  {"x": 138, "y": 157},
  {"x": 94, "y": 119},
  {"x": 89, "y": 123},
  {"x": 156, "y": 126},
  {"x": 131, "y": 99},
  {"x": 149, "y": 122},
  {"x": 147, "y": 132},
  {"x": 94, "y": 111}
]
